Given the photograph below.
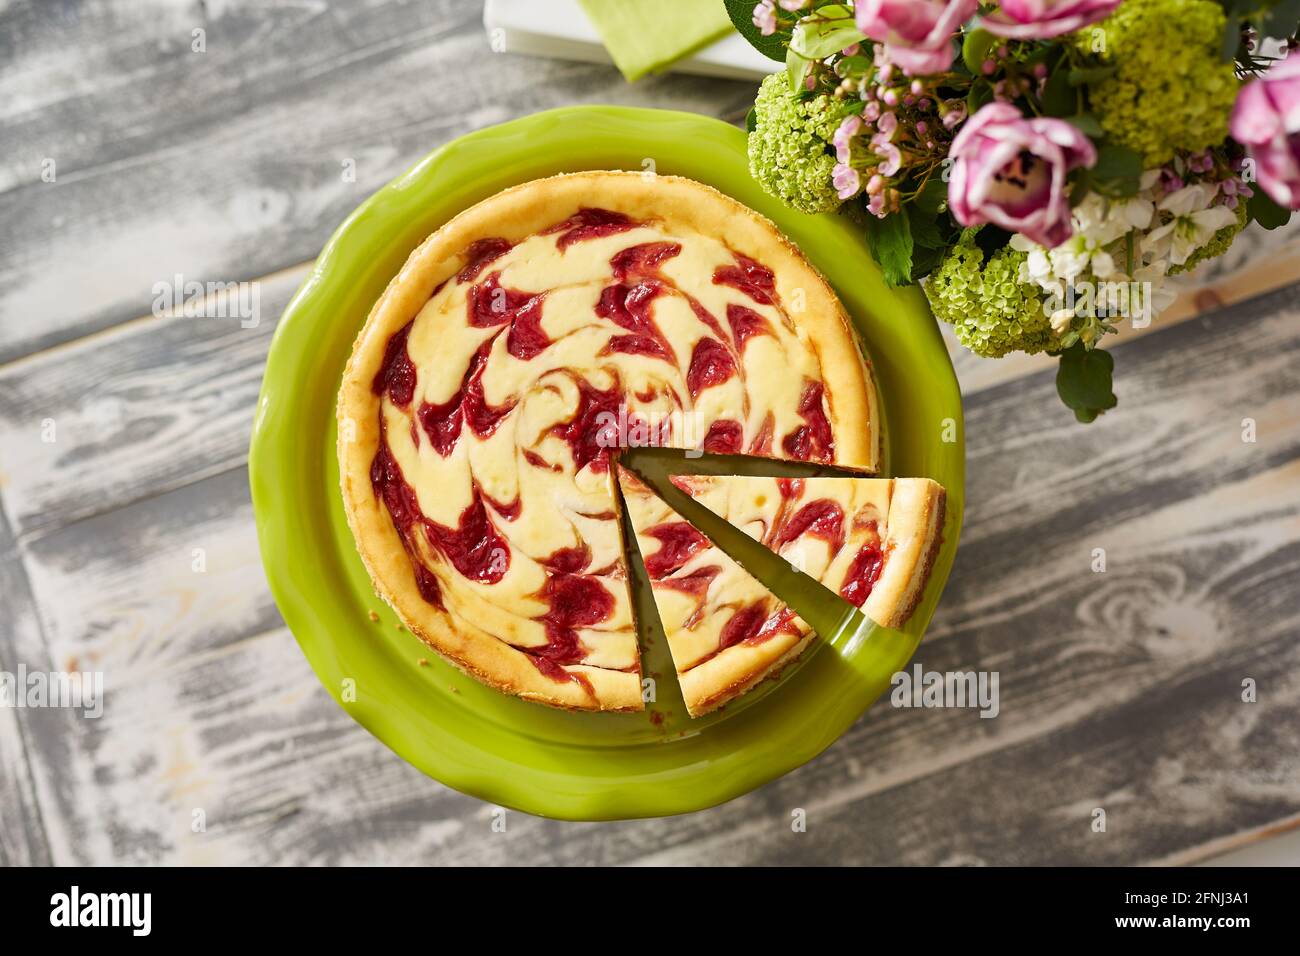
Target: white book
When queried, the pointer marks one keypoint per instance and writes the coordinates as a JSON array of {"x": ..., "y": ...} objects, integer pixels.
[{"x": 560, "y": 29}]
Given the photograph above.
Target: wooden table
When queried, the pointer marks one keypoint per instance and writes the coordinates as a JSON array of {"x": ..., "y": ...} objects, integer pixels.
[{"x": 1120, "y": 690}]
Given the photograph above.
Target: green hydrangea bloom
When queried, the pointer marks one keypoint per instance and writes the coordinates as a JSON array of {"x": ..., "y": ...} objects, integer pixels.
[
  {"x": 790, "y": 154},
  {"x": 1218, "y": 243},
  {"x": 1171, "y": 89},
  {"x": 991, "y": 311}
]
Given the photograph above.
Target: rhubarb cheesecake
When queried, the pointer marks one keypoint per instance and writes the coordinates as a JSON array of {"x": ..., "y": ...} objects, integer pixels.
[{"x": 518, "y": 349}]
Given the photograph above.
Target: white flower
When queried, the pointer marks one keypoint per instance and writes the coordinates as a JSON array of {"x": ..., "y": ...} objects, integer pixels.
[
  {"x": 1103, "y": 265},
  {"x": 1194, "y": 224},
  {"x": 1188, "y": 200},
  {"x": 1162, "y": 293},
  {"x": 1090, "y": 213},
  {"x": 1103, "y": 221},
  {"x": 1070, "y": 258},
  {"x": 1037, "y": 267},
  {"x": 1061, "y": 320},
  {"x": 1022, "y": 243},
  {"x": 1136, "y": 212}
]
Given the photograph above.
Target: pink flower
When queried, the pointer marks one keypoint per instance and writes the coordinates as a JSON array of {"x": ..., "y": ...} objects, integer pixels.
[
  {"x": 882, "y": 146},
  {"x": 917, "y": 34},
  {"x": 1266, "y": 120},
  {"x": 893, "y": 159},
  {"x": 850, "y": 126},
  {"x": 765, "y": 17},
  {"x": 1010, "y": 171},
  {"x": 846, "y": 180},
  {"x": 955, "y": 112},
  {"x": 1040, "y": 19}
]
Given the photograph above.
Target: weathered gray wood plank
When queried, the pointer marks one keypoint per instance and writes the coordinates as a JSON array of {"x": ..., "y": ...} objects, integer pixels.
[
  {"x": 153, "y": 405},
  {"x": 22, "y": 831},
  {"x": 229, "y": 164}
]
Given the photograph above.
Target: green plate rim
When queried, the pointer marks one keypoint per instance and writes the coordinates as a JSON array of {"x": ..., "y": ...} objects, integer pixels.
[{"x": 503, "y": 750}]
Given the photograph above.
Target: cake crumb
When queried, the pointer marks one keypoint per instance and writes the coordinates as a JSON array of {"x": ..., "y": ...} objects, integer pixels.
[
  {"x": 657, "y": 717},
  {"x": 454, "y": 688},
  {"x": 423, "y": 662},
  {"x": 374, "y": 616}
]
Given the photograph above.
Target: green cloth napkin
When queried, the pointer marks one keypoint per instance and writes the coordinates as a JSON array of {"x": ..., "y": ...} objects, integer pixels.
[{"x": 644, "y": 36}]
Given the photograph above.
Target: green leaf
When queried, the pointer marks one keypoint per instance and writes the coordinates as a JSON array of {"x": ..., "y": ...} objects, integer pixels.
[
  {"x": 981, "y": 93},
  {"x": 932, "y": 197},
  {"x": 1265, "y": 211},
  {"x": 925, "y": 231},
  {"x": 975, "y": 50},
  {"x": 1087, "y": 124},
  {"x": 1117, "y": 166},
  {"x": 741, "y": 13},
  {"x": 852, "y": 65},
  {"x": 831, "y": 31},
  {"x": 1084, "y": 381},
  {"x": 1089, "y": 74},
  {"x": 1123, "y": 188},
  {"x": 751, "y": 120},
  {"x": 890, "y": 243},
  {"x": 1082, "y": 186},
  {"x": 1282, "y": 19},
  {"x": 1231, "y": 38},
  {"x": 1059, "y": 97},
  {"x": 797, "y": 68},
  {"x": 925, "y": 261}
]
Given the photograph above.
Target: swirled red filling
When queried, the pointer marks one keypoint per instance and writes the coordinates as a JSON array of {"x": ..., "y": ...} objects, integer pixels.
[
  {"x": 822, "y": 518},
  {"x": 678, "y": 543},
  {"x": 863, "y": 574},
  {"x": 752, "y": 278},
  {"x": 811, "y": 441}
]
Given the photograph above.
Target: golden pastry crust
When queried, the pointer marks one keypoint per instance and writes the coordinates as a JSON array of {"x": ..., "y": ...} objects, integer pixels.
[
  {"x": 728, "y": 676},
  {"x": 914, "y": 533},
  {"x": 471, "y": 631}
]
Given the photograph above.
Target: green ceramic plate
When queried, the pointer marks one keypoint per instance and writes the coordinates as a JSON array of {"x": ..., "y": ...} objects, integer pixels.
[{"x": 520, "y": 755}]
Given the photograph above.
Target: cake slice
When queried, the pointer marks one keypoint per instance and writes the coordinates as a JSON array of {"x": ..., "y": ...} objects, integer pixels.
[
  {"x": 870, "y": 540},
  {"x": 725, "y": 630}
]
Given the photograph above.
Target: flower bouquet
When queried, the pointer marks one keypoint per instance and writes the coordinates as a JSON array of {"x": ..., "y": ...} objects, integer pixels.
[{"x": 1041, "y": 167}]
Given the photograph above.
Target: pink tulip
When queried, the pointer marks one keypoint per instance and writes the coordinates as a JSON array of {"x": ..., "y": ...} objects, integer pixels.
[
  {"x": 1266, "y": 120},
  {"x": 1041, "y": 19},
  {"x": 1010, "y": 171},
  {"x": 917, "y": 34}
]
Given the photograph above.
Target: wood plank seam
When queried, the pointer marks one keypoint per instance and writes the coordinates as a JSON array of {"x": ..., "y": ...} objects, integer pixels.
[
  {"x": 20, "y": 582},
  {"x": 128, "y": 326}
]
